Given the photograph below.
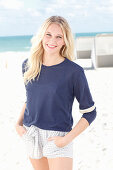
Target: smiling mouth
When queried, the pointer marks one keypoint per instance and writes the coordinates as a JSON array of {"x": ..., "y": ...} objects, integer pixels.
[{"x": 51, "y": 46}]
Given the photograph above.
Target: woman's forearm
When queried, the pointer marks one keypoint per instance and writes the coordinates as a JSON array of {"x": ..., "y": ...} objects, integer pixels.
[
  {"x": 79, "y": 128},
  {"x": 20, "y": 119}
]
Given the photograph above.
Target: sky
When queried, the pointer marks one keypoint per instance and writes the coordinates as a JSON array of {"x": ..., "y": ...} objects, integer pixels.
[{"x": 24, "y": 17}]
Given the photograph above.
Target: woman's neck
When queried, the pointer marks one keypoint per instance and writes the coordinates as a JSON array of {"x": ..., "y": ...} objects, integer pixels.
[{"x": 51, "y": 60}]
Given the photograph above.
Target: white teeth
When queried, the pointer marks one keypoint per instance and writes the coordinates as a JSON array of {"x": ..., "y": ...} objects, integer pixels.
[{"x": 50, "y": 46}]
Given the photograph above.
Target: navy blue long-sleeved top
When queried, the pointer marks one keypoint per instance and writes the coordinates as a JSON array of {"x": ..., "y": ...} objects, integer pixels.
[{"x": 49, "y": 99}]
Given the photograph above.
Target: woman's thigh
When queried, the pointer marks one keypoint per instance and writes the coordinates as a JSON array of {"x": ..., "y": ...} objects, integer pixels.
[
  {"x": 40, "y": 164},
  {"x": 60, "y": 163}
]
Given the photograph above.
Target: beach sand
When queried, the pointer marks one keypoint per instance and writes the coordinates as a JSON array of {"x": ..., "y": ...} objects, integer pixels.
[{"x": 92, "y": 148}]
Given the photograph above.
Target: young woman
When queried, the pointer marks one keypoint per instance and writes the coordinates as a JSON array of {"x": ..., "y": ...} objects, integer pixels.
[{"x": 52, "y": 81}]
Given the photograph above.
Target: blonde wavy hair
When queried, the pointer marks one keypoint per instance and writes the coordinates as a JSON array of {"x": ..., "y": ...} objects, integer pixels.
[{"x": 34, "y": 62}]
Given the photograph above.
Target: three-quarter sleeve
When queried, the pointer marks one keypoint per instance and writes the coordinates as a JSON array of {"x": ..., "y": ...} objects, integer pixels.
[
  {"x": 84, "y": 97},
  {"x": 23, "y": 71}
]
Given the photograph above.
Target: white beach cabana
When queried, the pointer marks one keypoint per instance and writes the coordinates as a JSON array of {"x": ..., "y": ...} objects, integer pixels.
[
  {"x": 84, "y": 47},
  {"x": 102, "y": 53}
]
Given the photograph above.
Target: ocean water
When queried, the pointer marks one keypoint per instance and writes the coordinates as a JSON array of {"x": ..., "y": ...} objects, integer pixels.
[{"x": 23, "y": 43}]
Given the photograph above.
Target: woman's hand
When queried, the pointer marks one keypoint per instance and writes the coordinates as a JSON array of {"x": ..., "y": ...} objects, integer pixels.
[
  {"x": 59, "y": 141},
  {"x": 20, "y": 130}
]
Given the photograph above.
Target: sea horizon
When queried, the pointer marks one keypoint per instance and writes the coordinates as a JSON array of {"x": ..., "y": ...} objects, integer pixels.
[
  {"x": 22, "y": 43},
  {"x": 77, "y": 33}
]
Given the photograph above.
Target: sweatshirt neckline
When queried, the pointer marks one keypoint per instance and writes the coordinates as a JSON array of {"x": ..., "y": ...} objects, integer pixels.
[{"x": 55, "y": 65}]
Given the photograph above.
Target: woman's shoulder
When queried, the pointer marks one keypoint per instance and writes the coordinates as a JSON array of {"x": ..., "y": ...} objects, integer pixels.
[{"x": 74, "y": 66}]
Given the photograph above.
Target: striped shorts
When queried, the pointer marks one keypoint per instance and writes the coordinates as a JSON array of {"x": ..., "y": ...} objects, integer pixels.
[{"x": 37, "y": 145}]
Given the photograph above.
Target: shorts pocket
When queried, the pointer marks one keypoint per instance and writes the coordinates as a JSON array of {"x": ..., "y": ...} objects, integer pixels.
[
  {"x": 27, "y": 131},
  {"x": 24, "y": 134},
  {"x": 56, "y": 133},
  {"x": 66, "y": 146},
  {"x": 56, "y": 145},
  {"x": 30, "y": 132}
]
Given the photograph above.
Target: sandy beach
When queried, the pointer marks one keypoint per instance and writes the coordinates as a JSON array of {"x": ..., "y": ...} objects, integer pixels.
[{"x": 92, "y": 149}]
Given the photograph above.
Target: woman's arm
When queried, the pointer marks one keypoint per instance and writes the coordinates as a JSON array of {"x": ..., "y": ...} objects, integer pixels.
[
  {"x": 86, "y": 106},
  {"x": 19, "y": 125},
  {"x": 79, "y": 128},
  {"x": 83, "y": 123},
  {"x": 20, "y": 119}
]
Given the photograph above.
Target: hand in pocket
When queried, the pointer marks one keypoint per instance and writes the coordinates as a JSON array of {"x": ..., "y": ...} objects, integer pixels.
[
  {"x": 58, "y": 141},
  {"x": 20, "y": 130}
]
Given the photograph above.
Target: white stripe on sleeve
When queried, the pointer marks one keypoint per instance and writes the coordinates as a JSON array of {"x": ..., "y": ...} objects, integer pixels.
[{"x": 87, "y": 110}]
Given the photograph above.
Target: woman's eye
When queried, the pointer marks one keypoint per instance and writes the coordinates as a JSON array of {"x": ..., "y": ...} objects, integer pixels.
[
  {"x": 59, "y": 37},
  {"x": 48, "y": 34}
]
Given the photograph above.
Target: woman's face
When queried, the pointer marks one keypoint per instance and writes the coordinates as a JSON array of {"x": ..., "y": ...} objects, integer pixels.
[{"x": 53, "y": 39}]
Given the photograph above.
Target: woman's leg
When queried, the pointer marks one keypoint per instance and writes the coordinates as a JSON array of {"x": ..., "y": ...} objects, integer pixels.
[
  {"x": 60, "y": 163},
  {"x": 40, "y": 164}
]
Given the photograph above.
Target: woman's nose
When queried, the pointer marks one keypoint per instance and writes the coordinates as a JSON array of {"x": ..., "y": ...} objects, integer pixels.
[{"x": 52, "y": 41}]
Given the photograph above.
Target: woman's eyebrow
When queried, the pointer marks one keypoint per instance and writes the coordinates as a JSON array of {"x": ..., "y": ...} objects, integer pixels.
[{"x": 57, "y": 34}]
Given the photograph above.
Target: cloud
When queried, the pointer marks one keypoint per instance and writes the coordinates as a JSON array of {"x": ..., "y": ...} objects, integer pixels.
[
  {"x": 11, "y": 4},
  {"x": 50, "y": 10},
  {"x": 111, "y": 1},
  {"x": 105, "y": 9},
  {"x": 34, "y": 12},
  {"x": 1, "y": 19},
  {"x": 80, "y": 14},
  {"x": 71, "y": 14}
]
